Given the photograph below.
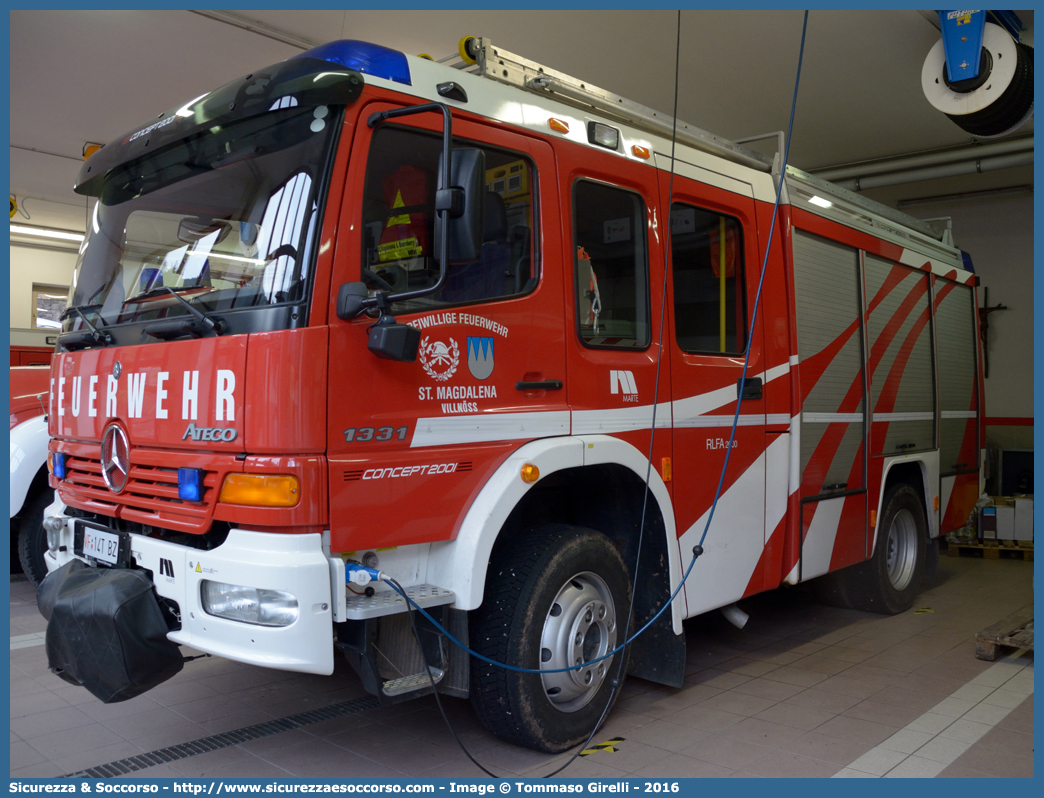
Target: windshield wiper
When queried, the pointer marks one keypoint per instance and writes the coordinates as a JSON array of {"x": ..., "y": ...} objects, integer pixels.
[
  {"x": 173, "y": 328},
  {"x": 155, "y": 292},
  {"x": 76, "y": 309},
  {"x": 96, "y": 336}
]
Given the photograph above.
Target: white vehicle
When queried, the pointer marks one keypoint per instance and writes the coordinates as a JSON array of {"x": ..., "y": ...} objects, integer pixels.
[{"x": 30, "y": 493}]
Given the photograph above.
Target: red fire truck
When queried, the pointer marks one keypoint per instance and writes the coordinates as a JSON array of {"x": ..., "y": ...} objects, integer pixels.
[{"x": 363, "y": 307}]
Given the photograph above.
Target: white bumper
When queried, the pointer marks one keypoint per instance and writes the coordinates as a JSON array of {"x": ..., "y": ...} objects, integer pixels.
[{"x": 294, "y": 563}]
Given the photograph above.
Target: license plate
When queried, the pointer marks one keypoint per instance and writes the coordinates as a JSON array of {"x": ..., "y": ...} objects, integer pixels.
[{"x": 104, "y": 546}]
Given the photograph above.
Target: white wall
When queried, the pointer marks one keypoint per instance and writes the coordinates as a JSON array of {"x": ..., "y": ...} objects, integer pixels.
[
  {"x": 42, "y": 266},
  {"x": 998, "y": 233}
]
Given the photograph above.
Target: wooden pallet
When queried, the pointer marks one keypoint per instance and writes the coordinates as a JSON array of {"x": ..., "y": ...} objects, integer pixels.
[
  {"x": 993, "y": 549},
  {"x": 1015, "y": 631}
]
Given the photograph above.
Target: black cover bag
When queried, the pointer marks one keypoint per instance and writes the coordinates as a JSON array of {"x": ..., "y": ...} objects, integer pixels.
[{"x": 106, "y": 631}]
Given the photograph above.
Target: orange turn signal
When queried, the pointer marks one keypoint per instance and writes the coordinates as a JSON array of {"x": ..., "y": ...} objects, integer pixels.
[
  {"x": 530, "y": 473},
  {"x": 558, "y": 125},
  {"x": 640, "y": 152},
  {"x": 259, "y": 490}
]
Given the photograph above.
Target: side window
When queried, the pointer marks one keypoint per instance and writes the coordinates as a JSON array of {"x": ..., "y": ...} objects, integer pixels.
[
  {"x": 611, "y": 266},
  {"x": 709, "y": 305},
  {"x": 399, "y": 222}
]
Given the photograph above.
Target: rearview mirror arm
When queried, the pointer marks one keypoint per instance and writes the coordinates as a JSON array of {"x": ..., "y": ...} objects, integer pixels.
[{"x": 443, "y": 203}]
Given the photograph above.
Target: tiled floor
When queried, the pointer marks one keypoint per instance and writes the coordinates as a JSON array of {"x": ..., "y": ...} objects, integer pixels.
[{"x": 803, "y": 690}]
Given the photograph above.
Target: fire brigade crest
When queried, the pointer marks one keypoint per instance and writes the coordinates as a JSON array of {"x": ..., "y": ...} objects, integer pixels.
[{"x": 439, "y": 360}]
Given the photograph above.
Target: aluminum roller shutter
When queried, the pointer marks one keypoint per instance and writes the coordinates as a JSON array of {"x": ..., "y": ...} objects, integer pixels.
[
  {"x": 902, "y": 396},
  {"x": 958, "y": 397},
  {"x": 826, "y": 277}
]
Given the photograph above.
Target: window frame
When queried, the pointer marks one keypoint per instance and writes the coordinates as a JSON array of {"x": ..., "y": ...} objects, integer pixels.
[
  {"x": 642, "y": 217},
  {"x": 47, "y": 290},
  {"x": 741, "y": 284},
  {"x": 536, "y": 274}
]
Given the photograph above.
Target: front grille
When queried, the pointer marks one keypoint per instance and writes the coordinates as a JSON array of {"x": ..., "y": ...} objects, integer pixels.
[{"x": 151, "y": 495}]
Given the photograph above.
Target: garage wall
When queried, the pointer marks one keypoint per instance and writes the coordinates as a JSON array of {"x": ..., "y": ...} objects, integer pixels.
[
  {"x": 30, "y": 265},
  {"x": 998, "y": 233}
]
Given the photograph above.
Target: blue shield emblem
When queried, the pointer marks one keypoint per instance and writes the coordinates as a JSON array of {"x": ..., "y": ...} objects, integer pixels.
[{"x": 480, "y": 356}]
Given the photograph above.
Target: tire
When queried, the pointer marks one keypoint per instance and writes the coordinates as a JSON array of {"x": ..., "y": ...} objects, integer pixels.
[
  {"x": 579, "y": 572},
  {"x": 889, "y": 581},
  {"x": 32, "y": 539}
]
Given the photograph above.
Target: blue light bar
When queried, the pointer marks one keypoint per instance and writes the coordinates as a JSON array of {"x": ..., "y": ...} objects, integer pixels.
[
  {"x": 58, "y": 463},
  {"x": 370, "y": 59},
  {"x": 190, "y": 484}
]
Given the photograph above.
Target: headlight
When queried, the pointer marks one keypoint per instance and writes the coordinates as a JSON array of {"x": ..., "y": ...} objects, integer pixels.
[{"x": 248, "y": 604}]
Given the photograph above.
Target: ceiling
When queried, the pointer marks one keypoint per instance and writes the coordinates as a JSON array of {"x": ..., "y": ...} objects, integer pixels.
[{"x": 89, "y": 76}]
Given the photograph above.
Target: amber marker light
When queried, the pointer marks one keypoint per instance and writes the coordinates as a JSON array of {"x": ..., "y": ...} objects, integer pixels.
[
  {"x": 558, "y": 125},
  {"x": 665, "y": 469},
  {"x": 873, "y": 518},
  {"x": 936, "y": 504},
  {"x": 258, "y": 490},
  {"x": 640, "y": 152},
  {"x": 530, "y": 473}
]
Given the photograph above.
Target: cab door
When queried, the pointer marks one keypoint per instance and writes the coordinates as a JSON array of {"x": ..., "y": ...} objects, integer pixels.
[
  {"x": 411, "y": 444},
  {"x": 614, "y": 260},
  {"x": 714, "y": 269}
]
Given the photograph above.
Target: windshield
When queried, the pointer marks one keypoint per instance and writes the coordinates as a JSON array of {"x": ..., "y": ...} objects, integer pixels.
[{"x": 225, "y": 219}]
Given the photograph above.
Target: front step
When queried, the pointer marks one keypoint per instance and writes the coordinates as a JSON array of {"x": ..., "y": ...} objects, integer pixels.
[
  {"x": 388, "y": 602},
  {"x": 412, "y": 683}
]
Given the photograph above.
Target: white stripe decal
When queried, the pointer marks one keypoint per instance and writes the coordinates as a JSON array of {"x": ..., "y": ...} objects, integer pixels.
[
  {"x": 446, "y": 430},
  {"x": 831, "y": 418},
  {"x": 960, "y": 414},
  {"x": 904, "y": 416},
  {"x": 620, "y": 419},
  {"x": 689, "y": 412}
]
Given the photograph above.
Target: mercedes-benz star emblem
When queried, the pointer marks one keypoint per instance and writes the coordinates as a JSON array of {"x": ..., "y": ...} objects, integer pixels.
[
  {"x": 115, "y": 458},
  {"x": 116, "y": 370}
]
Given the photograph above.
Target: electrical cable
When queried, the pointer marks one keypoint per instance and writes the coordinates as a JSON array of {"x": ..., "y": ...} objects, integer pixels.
[
  {"x": 698, "y": 549},
  {"x": 620, "y": 675}
]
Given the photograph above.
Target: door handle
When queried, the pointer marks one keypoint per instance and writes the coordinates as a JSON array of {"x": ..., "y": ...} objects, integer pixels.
[
  {"x": 542, "y": 385},
  {"x": 751, "y": 388}
]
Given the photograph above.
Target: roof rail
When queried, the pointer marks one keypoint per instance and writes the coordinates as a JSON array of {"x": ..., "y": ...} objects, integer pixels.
[
  {"x": 514, "y": 70},
  {"x": 498, "y": 64}
]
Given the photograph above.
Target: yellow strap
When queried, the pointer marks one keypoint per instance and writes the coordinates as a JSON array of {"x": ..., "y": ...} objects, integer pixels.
[{"x": 721, "y": 281}]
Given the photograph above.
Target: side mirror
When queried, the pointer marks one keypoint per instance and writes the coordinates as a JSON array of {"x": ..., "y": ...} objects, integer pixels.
[
  {"x": 390, "y": 340},
  {"x": 350, "y": 298},
  {"x": 467, "y": 172}
]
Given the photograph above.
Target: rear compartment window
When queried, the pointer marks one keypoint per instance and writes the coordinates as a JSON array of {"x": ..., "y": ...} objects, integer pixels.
[
  {"x": 611, "y": 266},
  {"x": 399, "y": 222},
  {"x": 709, "y": 307}
]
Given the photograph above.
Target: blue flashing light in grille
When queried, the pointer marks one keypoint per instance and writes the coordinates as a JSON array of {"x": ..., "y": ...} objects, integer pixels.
[
  {"x": 190, "y": 484},
  {"x": 370, "y": 59},
  {"x": 58, "y": 462}
]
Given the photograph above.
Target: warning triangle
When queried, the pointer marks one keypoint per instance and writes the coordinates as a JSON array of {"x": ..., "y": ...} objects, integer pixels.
[{"x": 198, "y": 569}]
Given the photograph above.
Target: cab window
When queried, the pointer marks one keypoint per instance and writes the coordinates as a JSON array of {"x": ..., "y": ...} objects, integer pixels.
[
  {"x": 709, "y": 308},
  {"x": 611, "y": 267},
  {"x": 399, "y": 245}
]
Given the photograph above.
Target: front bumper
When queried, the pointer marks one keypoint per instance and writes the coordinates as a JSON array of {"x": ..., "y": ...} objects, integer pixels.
[{"x": 294, "y": 563}]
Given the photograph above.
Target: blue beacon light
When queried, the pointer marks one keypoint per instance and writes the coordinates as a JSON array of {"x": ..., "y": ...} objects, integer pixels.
[
  {"x": 190, "y": 484},
  {"x": 370, "y": 59}
]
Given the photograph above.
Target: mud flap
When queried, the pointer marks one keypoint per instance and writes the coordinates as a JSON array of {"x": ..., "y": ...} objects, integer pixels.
[
  {"x": 658, "y": 655},
  {"x": 106, "y": 631}
]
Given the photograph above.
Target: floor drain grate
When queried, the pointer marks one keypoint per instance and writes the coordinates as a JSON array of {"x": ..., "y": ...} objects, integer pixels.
[{"x": 224, "y": 740}]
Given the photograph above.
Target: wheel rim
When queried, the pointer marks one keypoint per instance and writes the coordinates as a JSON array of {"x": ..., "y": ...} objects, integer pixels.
[
  {"x": 901, "y": 555},
  {"x": 580, "y": 627}
]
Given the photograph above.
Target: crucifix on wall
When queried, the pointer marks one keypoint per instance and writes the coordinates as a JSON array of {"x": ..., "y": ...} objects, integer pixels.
[{"x": 984, "y": 326}]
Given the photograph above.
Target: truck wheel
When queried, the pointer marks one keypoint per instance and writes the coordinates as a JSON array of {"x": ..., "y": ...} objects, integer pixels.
[
  {"x": 556, "y": 597},
  {"x": 32, "y": 539},
  {"x": 889, "y": 581}
]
